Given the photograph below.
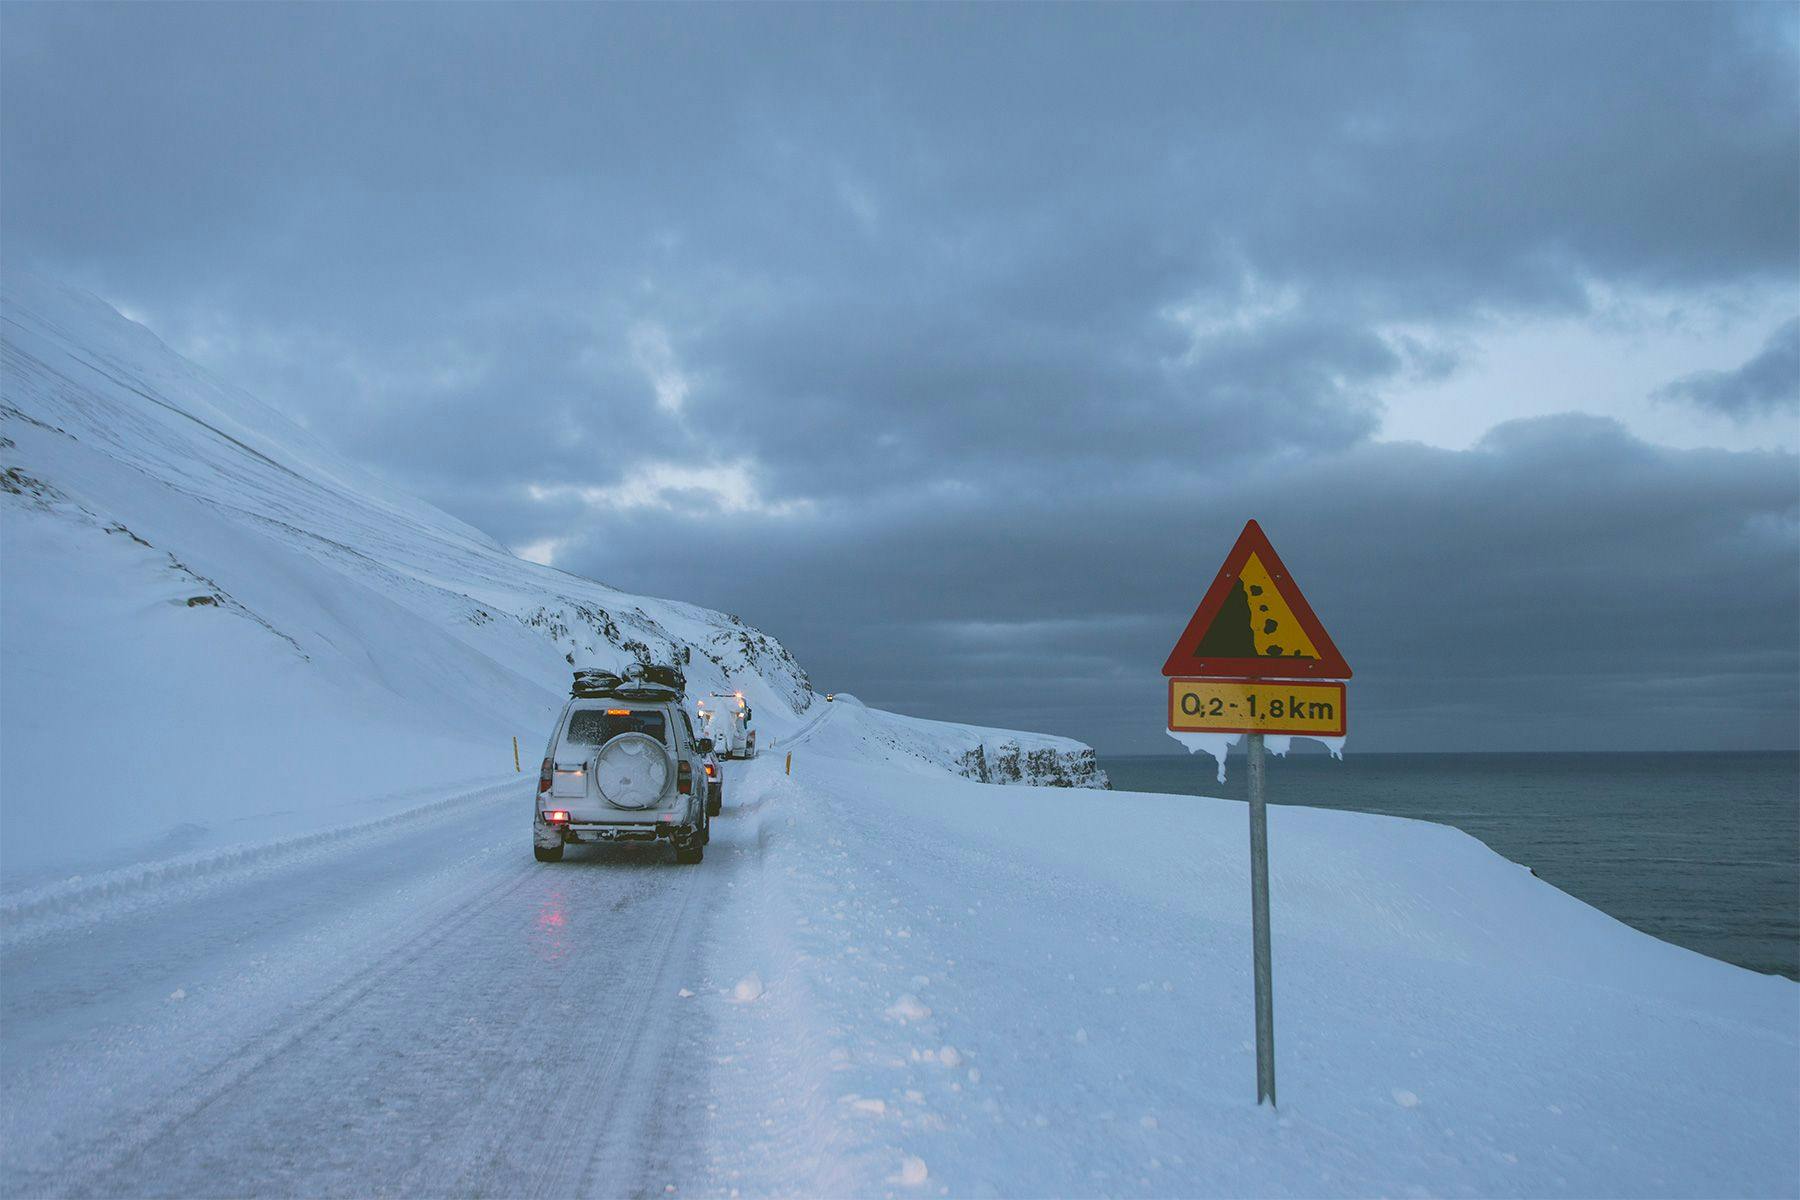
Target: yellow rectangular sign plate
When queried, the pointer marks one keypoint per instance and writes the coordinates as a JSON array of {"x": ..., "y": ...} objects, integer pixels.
[{"x": 1260, "y": 706}]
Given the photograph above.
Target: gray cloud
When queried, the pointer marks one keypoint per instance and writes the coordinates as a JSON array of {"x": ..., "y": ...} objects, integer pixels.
[
  {"x": 989, "y": 326},
  {"x": 1535, "y": 590},
  {"x": 1768, "y": 383}
]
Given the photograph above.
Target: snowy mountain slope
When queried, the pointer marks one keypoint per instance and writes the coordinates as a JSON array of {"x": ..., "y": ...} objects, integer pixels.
[{"x": 211, "y": 626}]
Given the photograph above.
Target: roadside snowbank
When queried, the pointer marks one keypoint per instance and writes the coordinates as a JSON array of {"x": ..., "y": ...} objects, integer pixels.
[{"x": 1036, "y": 991}]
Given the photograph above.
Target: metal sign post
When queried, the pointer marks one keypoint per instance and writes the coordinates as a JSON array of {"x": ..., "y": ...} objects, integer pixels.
[
  {"x": 1254, "y": 659},
  {"x": 1259, "y": 927}
]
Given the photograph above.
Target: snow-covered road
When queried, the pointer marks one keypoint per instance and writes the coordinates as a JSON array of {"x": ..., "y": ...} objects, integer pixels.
[
  {"x": 421, "y": 1010},
  {"x": 882, "y": 980}
]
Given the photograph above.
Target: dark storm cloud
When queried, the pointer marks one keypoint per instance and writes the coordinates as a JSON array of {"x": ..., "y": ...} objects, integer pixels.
[
  {"x": 1561, "y": 585},
  {"x": 990, "y": 324},
  {"x": 1769, "y": 382}
]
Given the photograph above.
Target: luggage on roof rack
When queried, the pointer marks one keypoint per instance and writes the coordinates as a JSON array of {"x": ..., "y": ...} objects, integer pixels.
[
  {"x": 658, "y": 674},
  {"x": 639, "y": 689},
  {"x": 641, "y": 681},
  {"x": 592, "y": 681}
]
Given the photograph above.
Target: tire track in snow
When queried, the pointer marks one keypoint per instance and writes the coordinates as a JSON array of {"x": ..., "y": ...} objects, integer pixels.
[
  {"x": 630, "y": 1075},
  {"x": 133, "y": 1164},
  {"x": 498, "y": 995}
]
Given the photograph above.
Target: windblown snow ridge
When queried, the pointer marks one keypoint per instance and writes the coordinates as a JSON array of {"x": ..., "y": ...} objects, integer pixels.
[
  {"x": 974, "y": 752},
  {"x": 46, "y": 909}
]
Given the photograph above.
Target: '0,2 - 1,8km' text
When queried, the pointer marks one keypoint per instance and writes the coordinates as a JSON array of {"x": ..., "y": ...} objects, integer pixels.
[{"x": 1241, "y": 706}]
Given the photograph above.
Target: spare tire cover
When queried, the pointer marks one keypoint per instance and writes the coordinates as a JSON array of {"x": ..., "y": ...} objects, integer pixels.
[{"x": 632, "y": 771}]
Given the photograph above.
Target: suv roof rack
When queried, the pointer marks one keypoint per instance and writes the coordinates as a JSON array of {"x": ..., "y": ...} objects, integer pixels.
[
  {"x": 637, "y": 689},
  {"x": 641, "y": 681}
]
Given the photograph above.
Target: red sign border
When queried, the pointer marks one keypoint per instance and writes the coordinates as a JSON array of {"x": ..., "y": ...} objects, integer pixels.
[
  {"x": 1182, "y": 664},
  {"x": 1343, "y": 707}
]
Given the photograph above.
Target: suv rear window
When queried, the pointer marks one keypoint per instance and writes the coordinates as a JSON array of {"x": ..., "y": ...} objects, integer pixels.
[{"x": 597, "y": 726}]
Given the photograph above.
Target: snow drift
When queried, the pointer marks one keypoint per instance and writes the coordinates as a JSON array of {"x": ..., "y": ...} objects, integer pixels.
[{"x": 1040, "y": 992}]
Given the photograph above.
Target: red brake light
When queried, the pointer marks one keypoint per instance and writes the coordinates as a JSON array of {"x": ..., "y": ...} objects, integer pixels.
[
  {"x": 557, "y": 816},
  {"x": 684, "y": 778},
  {"x": 709, "y": 770},
  {"x": 544, "y": 777}
]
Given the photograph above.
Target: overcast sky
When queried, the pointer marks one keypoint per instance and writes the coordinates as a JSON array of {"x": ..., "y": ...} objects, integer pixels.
[{"x": 954, "y": 345}]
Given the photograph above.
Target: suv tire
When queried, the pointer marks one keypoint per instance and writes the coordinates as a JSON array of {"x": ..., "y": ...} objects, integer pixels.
[
  {"x": 553, "y": 854},
  {"x": 690, "y": 854},
  {"x": 715, "y": 799}
]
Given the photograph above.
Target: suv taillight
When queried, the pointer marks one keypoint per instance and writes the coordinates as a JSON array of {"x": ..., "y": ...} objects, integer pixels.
[
  {"x": 684, "y": 777},
  {"x": 544, "y": 777}
]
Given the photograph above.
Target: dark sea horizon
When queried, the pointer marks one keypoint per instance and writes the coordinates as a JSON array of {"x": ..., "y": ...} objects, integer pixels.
[{"x": 1701, "y": 849}]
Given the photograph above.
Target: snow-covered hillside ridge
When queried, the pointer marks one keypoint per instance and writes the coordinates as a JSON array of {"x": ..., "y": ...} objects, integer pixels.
[
  {"x": 984, "y": 755},
  {"x": 212, "y": 625}
]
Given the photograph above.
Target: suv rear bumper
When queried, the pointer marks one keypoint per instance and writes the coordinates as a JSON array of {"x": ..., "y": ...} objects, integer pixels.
[
  {"x": 616, "y": 833},
  {"x": 577, "y": 833}
]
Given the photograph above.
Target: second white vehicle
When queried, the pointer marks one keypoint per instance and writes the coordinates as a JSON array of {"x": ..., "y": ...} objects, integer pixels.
[{"x": 729, "y": 720}]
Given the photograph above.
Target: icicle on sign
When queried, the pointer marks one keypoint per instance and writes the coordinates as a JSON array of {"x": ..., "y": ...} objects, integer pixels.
[{"x": 1249, "y": 658}]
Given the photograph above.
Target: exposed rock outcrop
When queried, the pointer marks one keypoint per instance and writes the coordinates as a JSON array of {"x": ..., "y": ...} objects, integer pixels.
[{"x": 1040, "y": 766}]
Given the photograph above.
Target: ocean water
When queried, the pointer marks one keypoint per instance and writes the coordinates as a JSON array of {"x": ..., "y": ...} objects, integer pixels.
[{"x": 1702, "y": 850}]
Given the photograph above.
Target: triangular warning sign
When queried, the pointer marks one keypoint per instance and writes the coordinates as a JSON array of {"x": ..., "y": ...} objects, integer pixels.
[{"x": 1253, "y": 623}]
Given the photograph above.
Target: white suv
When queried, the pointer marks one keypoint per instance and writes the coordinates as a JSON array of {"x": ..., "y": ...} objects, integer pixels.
[{"x": 623, "y": 769}]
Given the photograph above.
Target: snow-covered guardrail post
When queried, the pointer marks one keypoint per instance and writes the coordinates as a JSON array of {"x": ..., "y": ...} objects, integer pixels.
[{"x": 1254, "y": 660}]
